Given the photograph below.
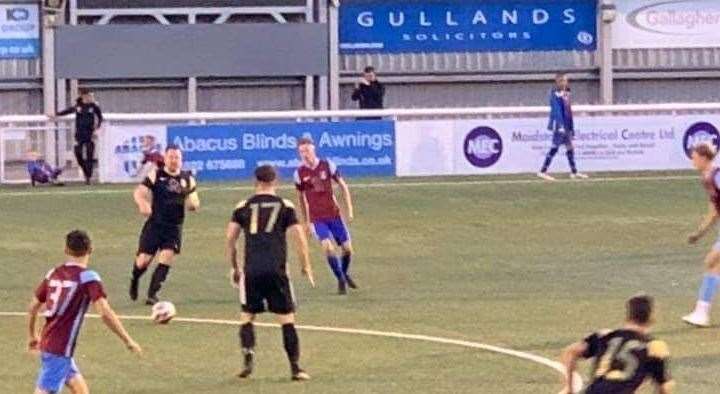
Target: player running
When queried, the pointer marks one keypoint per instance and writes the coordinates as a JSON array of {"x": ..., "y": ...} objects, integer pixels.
[
  {"x": 66, "y": 293},
  {"x": 321, "y": 214},
  {"x": 624, "y": 358},
  {"x": 162, "y": 197},
  {"x": 702, "y": 159},
  {"x": 563, "y": 128},
  {"x": 262, "y": 277}
]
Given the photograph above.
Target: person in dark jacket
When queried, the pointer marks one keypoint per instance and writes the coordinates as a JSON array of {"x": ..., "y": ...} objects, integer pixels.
[
  {"x": 369, "y": 91},
  {"x": 88, "y": 118}
]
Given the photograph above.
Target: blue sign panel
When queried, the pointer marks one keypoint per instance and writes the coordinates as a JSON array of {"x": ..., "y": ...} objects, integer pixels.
[
  {"x": 468, "y": 26},
  {"x": 233, "y": 151},
  {"x": 19, "y": 31}
]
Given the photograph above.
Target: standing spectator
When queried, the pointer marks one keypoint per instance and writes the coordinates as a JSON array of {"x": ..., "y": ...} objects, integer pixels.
[
  {"x": 41, "y": 172},
  {"x": 369, "y": 91},
  {"x": 88, "y": 118}
]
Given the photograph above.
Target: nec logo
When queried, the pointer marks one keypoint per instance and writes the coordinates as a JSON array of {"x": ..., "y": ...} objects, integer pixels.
[
  {"x": 17, "y": 14},
  {"x": 700, "y": 133},
  {"x": 483, "y": 147}
]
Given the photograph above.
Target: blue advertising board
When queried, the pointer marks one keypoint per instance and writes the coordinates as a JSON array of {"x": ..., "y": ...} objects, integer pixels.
[
  {"x": 19, "y": 31},
  {"x": 392, "y": 26},
  {"x": 233, "y": 151}
]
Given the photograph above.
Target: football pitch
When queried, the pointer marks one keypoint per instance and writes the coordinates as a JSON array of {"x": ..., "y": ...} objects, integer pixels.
[{"x": 503, "y": 261}]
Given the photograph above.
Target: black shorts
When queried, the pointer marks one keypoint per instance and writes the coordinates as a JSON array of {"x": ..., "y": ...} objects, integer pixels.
[
  {"x": 155, "y": 237},
  {"x": 273, "y": 289}
]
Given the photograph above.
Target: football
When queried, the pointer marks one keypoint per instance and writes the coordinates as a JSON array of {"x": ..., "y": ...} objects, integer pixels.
[{"x": 163, "y": 312}]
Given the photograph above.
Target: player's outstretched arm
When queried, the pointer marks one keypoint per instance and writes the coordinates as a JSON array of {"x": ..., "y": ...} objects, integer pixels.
[
  {"x": 708, "y": 222},
  {"x": 232, "y": 234},
  {"x": 302, "y": 203},
  {"x": 102, "y": 307},
  {"x": 193, "y": 200},
  {"x": 301, "y": 245},
  {"x": 347, "y": 197},
  {"x": 569, "y": 358},
  {"x": 33, "y": 338},
  {"x": 142, "y": 197}
]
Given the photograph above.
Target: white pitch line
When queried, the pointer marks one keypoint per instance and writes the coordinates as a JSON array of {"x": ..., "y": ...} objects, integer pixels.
[
  {"x": 426, "y": 338},
  {"x": 382, "y": 185}
]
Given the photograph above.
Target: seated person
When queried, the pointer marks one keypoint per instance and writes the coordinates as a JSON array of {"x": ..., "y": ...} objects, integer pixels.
[{"x": 42, "y": 172}]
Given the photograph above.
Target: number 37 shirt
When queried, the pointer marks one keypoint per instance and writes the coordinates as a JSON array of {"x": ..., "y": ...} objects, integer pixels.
[{"x": 67, "y": 292}]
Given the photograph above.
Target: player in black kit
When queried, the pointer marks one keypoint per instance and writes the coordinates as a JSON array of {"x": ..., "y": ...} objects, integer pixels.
[
  {"x": 162, "y": 197},
  {"x": 262, "y": 278},
  {"x": 623, "y": 358}
]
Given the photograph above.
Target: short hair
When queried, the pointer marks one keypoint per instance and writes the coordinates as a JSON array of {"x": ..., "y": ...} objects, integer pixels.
[
  {"x": 173, "y": 147},
  {"x": 705, "y": 150},
  {"x": 78, "y": 243},
  {"x": 560, "y": 75},
  {"x": 639, "y": 309},
  {"x": 369, "y": 69},
  {"x": 305, "y": 141},
  {"x": 84, "y": 91},
  {"x": 265, "y": 174}
]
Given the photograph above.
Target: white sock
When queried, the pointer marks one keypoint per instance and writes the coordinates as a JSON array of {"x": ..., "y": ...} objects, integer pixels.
[{"x": 703, "y": 308}]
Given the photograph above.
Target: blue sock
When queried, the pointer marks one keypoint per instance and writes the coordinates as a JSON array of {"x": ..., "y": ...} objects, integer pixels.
[
  {"x": 548, "y": 159},
  {"x": 571, "y": 160},
  {"x": 334, "y": 263},
  {"x": 346, "y": 258},
  {"x": 709, "y": 287}
]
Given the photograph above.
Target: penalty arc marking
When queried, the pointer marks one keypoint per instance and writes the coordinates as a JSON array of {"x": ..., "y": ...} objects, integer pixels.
[{"x": 353, "y": 331}]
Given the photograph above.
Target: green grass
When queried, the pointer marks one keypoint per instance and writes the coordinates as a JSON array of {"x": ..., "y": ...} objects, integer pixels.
[{"x": 528, "y": 266}]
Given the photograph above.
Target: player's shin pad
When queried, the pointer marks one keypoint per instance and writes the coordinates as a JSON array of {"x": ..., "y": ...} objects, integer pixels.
[
  {"x": 291, "y": 343},
  {"x": 159, "y": 276}
]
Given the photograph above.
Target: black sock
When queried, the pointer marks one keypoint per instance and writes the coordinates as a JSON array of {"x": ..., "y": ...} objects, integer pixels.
[
  {"x": 346, "y": 258},
  {"x": 292, "y": 345},
  {"x": 571, "y": 161},
  {"x": 247, "y": 338},
  {"x": 137, "y": 272},
  {"x": 548, "y": 159},
  {"x": 158, "y": 277}
]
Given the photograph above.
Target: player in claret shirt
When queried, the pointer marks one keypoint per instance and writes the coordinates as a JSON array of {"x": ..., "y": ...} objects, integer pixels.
[
  {"x": 314, "y": 182},
  {"x": 65, "y": 294}
]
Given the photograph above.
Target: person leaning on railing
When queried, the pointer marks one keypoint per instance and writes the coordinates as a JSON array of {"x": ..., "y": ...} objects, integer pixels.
[
  {"x": 88, "y": 118},
  {"x": 369, "y": 92}
]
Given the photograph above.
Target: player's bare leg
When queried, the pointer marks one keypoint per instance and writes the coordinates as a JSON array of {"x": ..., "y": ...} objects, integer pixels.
[
  {"x": 347, "y": 252},
  {"x": 247, "y": 343},
  {"x": 700, "y": 317},
  {"x": 165, "y": 259},
  {"x": 142, "y": 261},
  {"x": 78, "y": 385},
  {"x": 335, "y": 265},
  {"x": 292, "y": 346}
]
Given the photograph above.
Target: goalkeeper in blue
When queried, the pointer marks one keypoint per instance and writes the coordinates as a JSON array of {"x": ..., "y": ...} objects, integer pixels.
[{"x": 563, "y": 128}]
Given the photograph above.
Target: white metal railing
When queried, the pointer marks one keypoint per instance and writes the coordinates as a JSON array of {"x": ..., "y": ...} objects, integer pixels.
[
  {"x": 58, "y": 141},
  {"x": 389, "y": 113}
]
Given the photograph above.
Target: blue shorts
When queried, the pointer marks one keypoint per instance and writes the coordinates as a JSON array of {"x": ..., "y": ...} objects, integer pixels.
[
  {"x": 562, "y": 138},
  {"x": 55, "y": 371},
  {"x": 331, "y": 229}
]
